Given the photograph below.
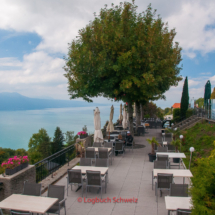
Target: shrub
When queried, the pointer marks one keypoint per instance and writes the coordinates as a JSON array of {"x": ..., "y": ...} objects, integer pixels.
[
  {"x": 189, "y": 113},
  {"x": 176, "y": 114}
]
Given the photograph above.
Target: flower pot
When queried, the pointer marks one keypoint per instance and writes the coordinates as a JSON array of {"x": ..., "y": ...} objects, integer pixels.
[
  {"x": 152, "y": 157},
  {"x": 82, "y": 136},
  {"x": 176, "y": 160},
  {"x": 24, "y": 165},
  {"x": 11, "y": 171}
]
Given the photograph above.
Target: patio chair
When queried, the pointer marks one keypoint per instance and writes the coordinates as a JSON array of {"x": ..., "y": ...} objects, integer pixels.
[
  {"x": 103, "y": 153},
  {"x": 129, "y": 145},
  {"x": 124, "y": 134},
  {"x": 119, "y": 147},
  {"x": 115, "y": 132},
  {"x": 94, "y": 179},
  {"x": 97, "y": 144},
  {"x": 90, "y": 153},
  {"x": 160, "y": 164},
  {"x": 179, "y": 190},
  {"x": 183, "y": 212},
  {"x": 163, "y": 183},
  {"x": 31, "y": 189},
  {"x": 1, "y": 212},
  {"x": 74, "y": 177},
  {"x": 18, "y": 212},
  {"x": 55, "y": 191},
  {"x": 163, "y": 158},
  {"x": 171, "y": 148},
  {"x": 85, "y": 162},
  {"x": 101, "y": 162},
  {"x": 109, "y": 145},
  {"x": 162, "y": 149}
]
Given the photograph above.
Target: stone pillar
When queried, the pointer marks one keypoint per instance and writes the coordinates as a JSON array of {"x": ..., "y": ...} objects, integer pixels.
[{"x": 14, "y": 184}]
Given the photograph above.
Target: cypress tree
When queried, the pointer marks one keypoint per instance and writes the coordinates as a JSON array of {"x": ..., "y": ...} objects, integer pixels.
[
  {"x": 58, "y": 140},
  {"x": 184, "y": 99}
]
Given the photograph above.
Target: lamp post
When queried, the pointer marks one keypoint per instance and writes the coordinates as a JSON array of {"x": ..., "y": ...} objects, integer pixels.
[
  {"x": 191, "y": 150},
  {"x": 181, "y": 137},
  {"x": 163, "y": 136}
]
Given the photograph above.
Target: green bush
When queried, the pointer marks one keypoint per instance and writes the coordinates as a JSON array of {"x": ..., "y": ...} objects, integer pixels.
[
  {"x": 176, "y": 114},
  {"x": 203, "y": 188},
  {"x": 189, "y": 113}
]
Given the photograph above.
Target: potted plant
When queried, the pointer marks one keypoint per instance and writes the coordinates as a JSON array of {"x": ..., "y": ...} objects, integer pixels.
[
  {"x": 177, "y": 144},
  {"x": 80, "y": 149},
  {"x": 82, "y": 134},
  {"x": 152, "y": 155},
  {"x": 24, "y": 162}
]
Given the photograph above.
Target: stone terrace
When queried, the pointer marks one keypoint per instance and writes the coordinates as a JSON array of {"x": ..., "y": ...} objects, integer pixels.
[{"x": 129, "y": 176}]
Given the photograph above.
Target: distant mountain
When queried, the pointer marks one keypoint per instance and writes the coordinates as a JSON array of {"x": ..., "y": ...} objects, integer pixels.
[{"x": 15, "y": 101}]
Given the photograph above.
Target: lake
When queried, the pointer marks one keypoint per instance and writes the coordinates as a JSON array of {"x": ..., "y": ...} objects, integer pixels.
[{"x": 17, "y": 127}]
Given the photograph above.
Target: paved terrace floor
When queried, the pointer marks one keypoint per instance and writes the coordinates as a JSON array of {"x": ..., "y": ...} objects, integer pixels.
[{"x": 129, "y": 177}]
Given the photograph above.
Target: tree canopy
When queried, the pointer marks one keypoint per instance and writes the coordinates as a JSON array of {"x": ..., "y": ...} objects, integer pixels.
[
  {"x": 184, "y": 99},
  {"x": 123, "y": 55}
]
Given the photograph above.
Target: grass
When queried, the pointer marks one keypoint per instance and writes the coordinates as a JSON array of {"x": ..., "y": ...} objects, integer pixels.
[{"x": 201, "y": 137}]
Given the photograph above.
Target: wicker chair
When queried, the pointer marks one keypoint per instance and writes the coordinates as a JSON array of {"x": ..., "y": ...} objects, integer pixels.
[
  {"x": 162, "y": 149},
  {"x": 17, "y": 212},
  {"x": 32, "y": 189},
  {"x": 94, "y": 179},
  {"x": 97, "y": 144},
  {"x": 90, "y": 153},
  {"x": 104, "y": 154},
  {"x": 119, "y": 146},
  {"x": 85, "y": 162},
  {"x": 163, "y": 183},
  {"x": 183, "y": 212},
  {"x": 74, "y": 177},
  {"x": 101, "y": 162},
  {"x": 55, "y": 191},
  {"x": 179, "y": 190},
  {"x": 160, "y": 164}
]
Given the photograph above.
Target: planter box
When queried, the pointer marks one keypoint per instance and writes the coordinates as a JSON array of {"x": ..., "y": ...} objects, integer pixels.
[
  {"x": 83, "y": 136},
  {"x": 24, "y": 165},
  {"x": 176, "y": 160},
  {"x": 16, "y": 169},
  {"x": 152, "y": 157}
]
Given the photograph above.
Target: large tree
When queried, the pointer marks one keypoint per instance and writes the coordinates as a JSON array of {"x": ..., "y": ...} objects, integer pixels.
[
  {"x": 184, "y": 99},
  {"x": 58, "y": 140},
  {"x": 123, "y": 55}
]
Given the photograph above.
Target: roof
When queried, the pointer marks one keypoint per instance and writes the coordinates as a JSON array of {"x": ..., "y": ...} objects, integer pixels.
[{"x": 176, "y": 105}]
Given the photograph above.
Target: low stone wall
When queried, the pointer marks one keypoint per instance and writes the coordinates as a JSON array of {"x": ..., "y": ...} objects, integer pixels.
[
  {"x": 87, "y": 142},
  {"x": 14, "y": 183}
]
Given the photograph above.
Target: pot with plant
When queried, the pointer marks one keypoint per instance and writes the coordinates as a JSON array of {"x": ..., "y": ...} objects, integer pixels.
[
  {"x": 177, "y": 144},
  {"x": 152, "y": 142},
  {"x": 82, "y": 134}
]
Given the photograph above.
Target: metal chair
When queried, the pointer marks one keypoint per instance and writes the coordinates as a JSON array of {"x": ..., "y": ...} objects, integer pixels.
[
  {"x": 163, "y": 183},
  {"x": 162, "y": 149},
  {"x": 124, "y": 133},
  {"x": 85, "y": 162},
  {"x": 171, "y": 148},
  {"x": 160, "y": 164},
  {"x": 129, "y": 145},
  {"x": 94, "y": 179},
  {"x": 31, "y": 189},
  {"x": 55, "y": 191},
  {"x": 183, "y": 212},
  {"x": 18, "y": 212},
  {"x": 103, "y": 153},
  {"x": 101, "y": 162},
  {"x": 74, "y": 177},
  {"x": 119, "y": 147},
  {"x": 179, "y": 190},
  {"x": 90, "y": 153},
  {"x": 109, "y": 145},
  {"x": 163, "y": 158},
  {"x": 97, "y": 144}
]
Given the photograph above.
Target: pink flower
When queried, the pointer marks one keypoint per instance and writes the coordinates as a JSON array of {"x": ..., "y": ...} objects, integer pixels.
[
  {"x": 18, "y": 162},
  {"x": 11, "y": 162}
]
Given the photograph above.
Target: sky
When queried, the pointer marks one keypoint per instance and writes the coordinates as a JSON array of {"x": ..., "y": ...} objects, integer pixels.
[{"x": 34, "y": 38}]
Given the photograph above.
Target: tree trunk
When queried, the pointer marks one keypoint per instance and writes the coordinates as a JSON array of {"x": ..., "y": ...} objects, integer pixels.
[
  {"x": 141, "y": 112},
  {"x": 130, "y": 117},
  {"x": 138, "y": 120}
]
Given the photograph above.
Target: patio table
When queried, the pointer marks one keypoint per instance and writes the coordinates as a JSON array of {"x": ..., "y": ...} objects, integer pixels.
[
  {"x": 173, "y": 203},
  {"x": 176, "y": 173},
  {"x": 83, "y": 169},
  {"x": 97, "y": 148},
  {"x": 173, "y": 155},
  {"x": 165, "y": 143},
  {"x": 34, "y": 204}
]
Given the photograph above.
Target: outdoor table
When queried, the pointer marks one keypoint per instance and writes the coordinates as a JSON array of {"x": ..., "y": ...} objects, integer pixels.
[
  {"x": 97, "y": 148},
  {"x": 173, "y": 203},
  {"x": 33, "y": 204},
  {"x": 176, "y": 173},
  {"x": 173, "y": 155},
  {"x": 83, "y": 169},
  {"x": 113, "y": 135}
]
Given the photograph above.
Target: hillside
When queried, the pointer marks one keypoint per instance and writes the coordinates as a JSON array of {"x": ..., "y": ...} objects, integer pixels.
[{"x": 15, "y": 101}]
